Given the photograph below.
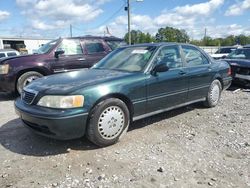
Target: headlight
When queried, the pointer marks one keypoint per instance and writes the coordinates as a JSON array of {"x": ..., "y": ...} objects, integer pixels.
[
  {"x": 52, "y": 101},
  {"x": 4, "y": 69}
]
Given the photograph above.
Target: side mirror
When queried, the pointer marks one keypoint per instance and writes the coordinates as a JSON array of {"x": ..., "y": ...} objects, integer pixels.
[
  {"x": 161, "y": 68},
  {"x": 58, "y": 52}
]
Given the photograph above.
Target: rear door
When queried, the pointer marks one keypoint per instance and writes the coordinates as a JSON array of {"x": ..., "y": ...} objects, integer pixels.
[
  {"x": 199, "y": 70},
  {"x": 95, "y": 50},
  {"x": 167, "y": 89},
  {"x": 73, "y": 57}
]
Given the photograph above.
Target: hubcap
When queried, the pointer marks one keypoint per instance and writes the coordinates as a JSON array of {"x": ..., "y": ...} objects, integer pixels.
[
  {"x": 111, "y": 122},
  {"x": 26, "y": 82},
  {"x": 29, "y": 80},
  {"x": 215, "y": 93}
]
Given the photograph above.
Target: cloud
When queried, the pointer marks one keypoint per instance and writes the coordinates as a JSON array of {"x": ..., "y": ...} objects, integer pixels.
[
  {"x": 54, "y": 14},
  {"x": 199, "y": 9},
  {"x": 192, "y": 18},
  {"x": 4, "y": 15},
  {"x": 238, "y": 8}
]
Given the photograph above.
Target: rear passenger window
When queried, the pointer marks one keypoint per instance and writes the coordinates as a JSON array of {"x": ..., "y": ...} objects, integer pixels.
[
  {"x": 94, "y": 46},
  {"x": 193, "y": 56},
  {"x": 2, "y": 55},
  {"x": 10, "y": 54}
]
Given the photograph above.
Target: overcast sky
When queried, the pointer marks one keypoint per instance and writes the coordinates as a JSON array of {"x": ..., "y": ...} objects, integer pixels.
[{"x": 52, "y": 18}]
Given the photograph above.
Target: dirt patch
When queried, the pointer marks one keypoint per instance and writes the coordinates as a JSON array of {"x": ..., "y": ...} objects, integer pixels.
[{"x": 188, "y": 147}]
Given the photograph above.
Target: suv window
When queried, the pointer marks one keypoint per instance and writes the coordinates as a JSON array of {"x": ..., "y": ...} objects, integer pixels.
[
  {"x": 169, "y": 55},
  {"x": 10, "y": 54},
  {"x": 2, "y": 55},
  {"x": 94, "y": 46},
  {"x": 70, "y": 47},
  {"x": 193, "y": 56}
]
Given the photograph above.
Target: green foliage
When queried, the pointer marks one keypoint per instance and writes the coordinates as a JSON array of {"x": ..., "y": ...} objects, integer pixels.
[
  {"x": 139, "y": 37},
  {"x": 170, "y": 34}
]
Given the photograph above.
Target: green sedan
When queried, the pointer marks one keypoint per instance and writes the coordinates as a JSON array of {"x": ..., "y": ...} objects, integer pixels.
[{"x": 129, "y": 84}]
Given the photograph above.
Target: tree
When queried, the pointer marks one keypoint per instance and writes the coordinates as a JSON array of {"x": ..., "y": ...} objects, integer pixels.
[
  {"x": 170, "y": 34},
  {"x": 139, "y": 37}
]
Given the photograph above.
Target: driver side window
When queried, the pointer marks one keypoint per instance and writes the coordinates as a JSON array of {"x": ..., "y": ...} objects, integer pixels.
[
  {"x": 70, "y": 47},
  {"x": 170, "y": 55}
]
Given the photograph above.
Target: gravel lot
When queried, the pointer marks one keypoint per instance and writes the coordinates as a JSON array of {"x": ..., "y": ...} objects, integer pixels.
[{"x": 187, "y": 147}]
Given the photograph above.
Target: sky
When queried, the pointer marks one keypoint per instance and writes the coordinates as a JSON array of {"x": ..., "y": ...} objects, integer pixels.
[{"x": 52, "y": 18}]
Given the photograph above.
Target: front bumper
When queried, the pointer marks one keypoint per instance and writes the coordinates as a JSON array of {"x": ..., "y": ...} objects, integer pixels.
[
  {"x": 7, "y": 83},
  {"x": 53, "y": 123}
]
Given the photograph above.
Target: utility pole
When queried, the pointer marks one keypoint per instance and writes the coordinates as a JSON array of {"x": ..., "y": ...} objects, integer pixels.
[
  {"x": 129, "y": 22},
  {"x": 70, "y": 30},
  {"x": 205, "y": 37},
  {"x": 127, "y": 8}
]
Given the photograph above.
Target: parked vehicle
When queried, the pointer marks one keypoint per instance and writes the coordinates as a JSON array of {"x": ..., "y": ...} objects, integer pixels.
[
  {"x": 131, "y": 83},
  {"x": 223, "y": 52},
  {"x": 57, "y": 56},
  {"x": 8, "y": 53},
  {"x": 240, "y": 63}
]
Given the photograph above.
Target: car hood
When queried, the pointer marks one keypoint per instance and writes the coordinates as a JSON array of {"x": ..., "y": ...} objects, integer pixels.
[
  {"x": 239, "y": 62},
  {"x": 66, "y": 83},
  {"x": 22, "y": 58}
]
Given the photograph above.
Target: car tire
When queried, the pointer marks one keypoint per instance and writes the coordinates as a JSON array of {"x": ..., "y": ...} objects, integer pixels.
[
  {"x": 25, "y": 79},
  {"x": 108, "y": 122},
  {"x": 214, "y": 93}
]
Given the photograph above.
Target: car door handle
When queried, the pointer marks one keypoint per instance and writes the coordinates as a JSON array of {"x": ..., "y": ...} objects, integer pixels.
[
  {"x": 81, "y": 59},
  {"x": 182, "y": 72},
  {"x": 209, "y": 69}
]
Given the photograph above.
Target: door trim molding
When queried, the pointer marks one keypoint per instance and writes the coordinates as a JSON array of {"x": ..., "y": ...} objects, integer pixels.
[{"x": 167, "y": 109}]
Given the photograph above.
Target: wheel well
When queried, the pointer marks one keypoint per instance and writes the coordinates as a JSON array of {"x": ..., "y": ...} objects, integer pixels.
[
  {"x": 122, "y": 97},
  {"x": 43, "y": 72},
  {"x": 221, "y": 81}
]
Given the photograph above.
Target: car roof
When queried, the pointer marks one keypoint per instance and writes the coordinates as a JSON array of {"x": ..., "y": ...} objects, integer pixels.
[
  {"x": 96, "y": 37},
  {"x": 159, "y": 44}
]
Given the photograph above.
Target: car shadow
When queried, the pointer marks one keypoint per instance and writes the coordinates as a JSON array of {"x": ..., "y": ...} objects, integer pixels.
[
  {"x": 163, "y": 116},
  {"x": 18, "y": 139},
  {"x": 7, "y": 96}
]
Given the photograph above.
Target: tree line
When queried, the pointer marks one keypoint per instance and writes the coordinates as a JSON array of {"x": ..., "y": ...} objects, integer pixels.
[{"x": 170, "y": 34}]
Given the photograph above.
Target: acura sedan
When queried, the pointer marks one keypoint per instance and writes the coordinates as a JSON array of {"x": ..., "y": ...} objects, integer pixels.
[{"x": 129, "y": 84}]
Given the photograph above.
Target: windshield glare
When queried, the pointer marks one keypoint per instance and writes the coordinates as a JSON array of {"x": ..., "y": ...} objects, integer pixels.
[
  {"x": 46, "y": 47},
  {"x": 240, "y": 54},
  {"x": 131, "y": 59}
]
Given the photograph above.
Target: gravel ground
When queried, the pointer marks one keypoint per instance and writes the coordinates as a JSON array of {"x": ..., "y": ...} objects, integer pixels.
[{"x": 187, "y": 147}]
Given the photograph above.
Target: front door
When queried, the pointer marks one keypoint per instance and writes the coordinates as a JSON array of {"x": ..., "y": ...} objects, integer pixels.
[
  {"x": 73, "y": 57},
  {"x": 167, "y": 89}
]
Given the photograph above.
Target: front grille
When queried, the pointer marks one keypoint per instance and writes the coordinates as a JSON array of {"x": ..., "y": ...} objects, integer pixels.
[{"x": 28, "y": 96}]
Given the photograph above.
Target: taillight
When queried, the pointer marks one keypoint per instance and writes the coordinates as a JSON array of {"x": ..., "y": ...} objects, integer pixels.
[{"x": 229, "y": 72}]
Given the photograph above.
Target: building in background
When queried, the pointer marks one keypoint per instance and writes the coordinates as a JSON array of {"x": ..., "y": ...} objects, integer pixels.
[{"x": 23, "y": 45}]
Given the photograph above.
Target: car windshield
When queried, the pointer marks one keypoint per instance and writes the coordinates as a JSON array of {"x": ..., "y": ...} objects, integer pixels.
[
  {"x": 113, "y": 44},
  {"x": 224, "y": 50},
  {"x": 240, "y": 54},
  {"x": 131, "y": 59},
  {"x": 46, "y": 47}
]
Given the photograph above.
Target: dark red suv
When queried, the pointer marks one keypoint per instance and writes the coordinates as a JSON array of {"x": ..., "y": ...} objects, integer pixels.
[{"x": 61, "y": 55}]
